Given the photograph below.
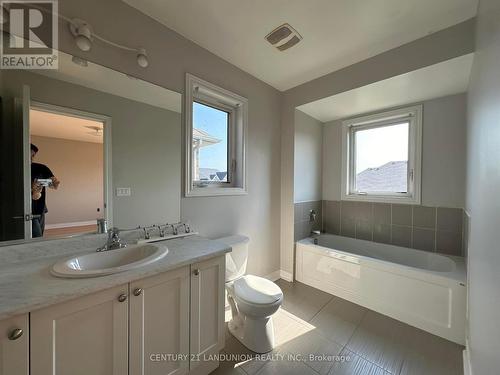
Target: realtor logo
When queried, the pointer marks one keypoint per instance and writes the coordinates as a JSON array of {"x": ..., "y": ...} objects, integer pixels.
[{"x": 29, "y": 38}]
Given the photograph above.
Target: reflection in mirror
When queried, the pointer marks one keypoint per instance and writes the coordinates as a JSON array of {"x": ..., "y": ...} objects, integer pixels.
[{"x": 86, "y": 144}]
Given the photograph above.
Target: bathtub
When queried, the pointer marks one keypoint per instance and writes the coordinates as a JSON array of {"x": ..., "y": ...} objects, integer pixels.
[{"x": 423, "y": 289}]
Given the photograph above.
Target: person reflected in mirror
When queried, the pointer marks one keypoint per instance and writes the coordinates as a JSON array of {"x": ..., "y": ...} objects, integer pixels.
[{"x": 41, "y": 178}]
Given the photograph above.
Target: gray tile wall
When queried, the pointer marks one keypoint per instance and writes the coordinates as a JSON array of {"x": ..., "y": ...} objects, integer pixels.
[
  {"x": 303, "y": 226},
  {"x": 436, "y": 229}
]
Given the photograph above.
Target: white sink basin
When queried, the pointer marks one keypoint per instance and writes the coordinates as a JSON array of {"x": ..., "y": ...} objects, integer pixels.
[{"x": 109, "y": 262}]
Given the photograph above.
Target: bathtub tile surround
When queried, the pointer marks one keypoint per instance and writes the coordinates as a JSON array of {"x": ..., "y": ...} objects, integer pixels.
[
  {"x": 401, "y": 235},
  {"x": 424, "y": 217},
  {"x": 436, "y": 229},
  {"x": 331, "y": 209},
  {"x": 303, "y": 224},
  {"x": 401, "y": 214}
]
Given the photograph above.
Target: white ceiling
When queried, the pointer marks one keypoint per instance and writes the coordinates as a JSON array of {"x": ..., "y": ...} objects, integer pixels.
[
  {"x": 337, "y": 33},
  {"x": 100, "y": 78},
  {"x": 446, "y": 78},
  {"x": 52, "y": 125}
]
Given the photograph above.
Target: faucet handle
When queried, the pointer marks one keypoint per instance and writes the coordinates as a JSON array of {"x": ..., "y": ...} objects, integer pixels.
[
  {"x": 147, "y": 231},
  {"x": 163, "y": 228},
  {"x": 113, "y": 232}
]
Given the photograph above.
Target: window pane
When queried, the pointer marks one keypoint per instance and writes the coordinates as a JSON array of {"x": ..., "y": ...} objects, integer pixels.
[
  {"x": 210, "y": 143},
  {"x": 382, "y": 159}
]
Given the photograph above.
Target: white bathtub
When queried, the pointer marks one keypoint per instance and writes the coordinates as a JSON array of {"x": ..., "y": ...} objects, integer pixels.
[{"x": 425, "y": 290}]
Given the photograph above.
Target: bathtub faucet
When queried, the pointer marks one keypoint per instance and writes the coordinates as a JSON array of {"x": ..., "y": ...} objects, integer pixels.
[
  {"x": 314, "y": 235},
  {"x": 312, "y": 216}
]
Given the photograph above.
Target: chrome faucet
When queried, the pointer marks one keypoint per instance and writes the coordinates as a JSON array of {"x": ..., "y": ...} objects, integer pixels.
[
  {"x": 315, "y": 234},
  {"x": 163, "y": 229},
  {"x": 147, "y": 231},
  {"x": 114, "y": 242}
]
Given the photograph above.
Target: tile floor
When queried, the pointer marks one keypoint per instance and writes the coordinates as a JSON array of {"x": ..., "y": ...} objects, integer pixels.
[{"x": 346, "y": 339}]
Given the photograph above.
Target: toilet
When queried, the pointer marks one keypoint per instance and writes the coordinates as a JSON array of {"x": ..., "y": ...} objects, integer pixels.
[{"x": 253, "y": 300}]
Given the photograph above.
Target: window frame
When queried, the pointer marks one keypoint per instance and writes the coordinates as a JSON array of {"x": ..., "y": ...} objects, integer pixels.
[
  {"x": 413, "y": 115},
  {"x": 205, "y": 93}
]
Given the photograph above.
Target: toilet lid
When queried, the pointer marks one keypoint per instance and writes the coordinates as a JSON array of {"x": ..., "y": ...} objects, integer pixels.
[{"x": 257, "y": 290}]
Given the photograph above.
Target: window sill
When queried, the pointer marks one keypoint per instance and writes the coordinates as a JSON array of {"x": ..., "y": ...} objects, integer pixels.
[
  {"x": 382, "y": 198},
  {"x": 214, "y": 191}
]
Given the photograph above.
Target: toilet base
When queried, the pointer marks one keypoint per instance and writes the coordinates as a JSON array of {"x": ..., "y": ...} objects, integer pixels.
[{"x": 256, "y": 334}]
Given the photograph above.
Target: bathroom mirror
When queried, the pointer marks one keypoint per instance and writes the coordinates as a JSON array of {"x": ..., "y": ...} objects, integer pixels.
[{"x": 82, "y": 143}]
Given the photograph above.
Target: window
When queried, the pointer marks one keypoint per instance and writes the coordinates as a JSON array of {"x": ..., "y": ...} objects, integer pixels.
[
  {"x": 381, "y": 157},
  {"x": 210, "y": 145},
  {"x": 215, "y": 140}
]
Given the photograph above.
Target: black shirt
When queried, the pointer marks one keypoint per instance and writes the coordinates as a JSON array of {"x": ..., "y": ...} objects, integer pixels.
[{"x": 38, "y": 171}]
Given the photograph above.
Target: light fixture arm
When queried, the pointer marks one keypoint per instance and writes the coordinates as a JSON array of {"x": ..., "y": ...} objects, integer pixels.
[{"x": 75, "y": 24}]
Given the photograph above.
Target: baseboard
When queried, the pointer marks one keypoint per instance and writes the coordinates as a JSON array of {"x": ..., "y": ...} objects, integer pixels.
[
  {"x": 287, "y": 276},
  {"x": 279, "y": 274},
  {"x": 273, "y": 276},
  {"x": 466, "y": 357},
  {"x": 69, "y": 225}
]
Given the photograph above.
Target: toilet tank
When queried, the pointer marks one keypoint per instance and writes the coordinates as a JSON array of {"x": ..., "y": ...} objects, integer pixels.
[{"x": 236, "y": 260}]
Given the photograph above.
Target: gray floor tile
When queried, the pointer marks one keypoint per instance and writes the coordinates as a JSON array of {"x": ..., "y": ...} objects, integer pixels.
[
  {"x": 355, "y": 365},
  {"x": 338, "y": 320},
  {"x": 286, "y": 367},
  {"x": 380, "y": 340},
  {"x": 228, "y": 368},
  {"x": 431, "y": 355},
  {"x": 302, "y": 300},
  {"x": 247, "y": 361},
  {"x": 315, "y": 350}
]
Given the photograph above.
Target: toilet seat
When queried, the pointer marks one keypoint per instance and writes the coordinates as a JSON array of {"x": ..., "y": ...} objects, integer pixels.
[{"x": 256, "y": 290}]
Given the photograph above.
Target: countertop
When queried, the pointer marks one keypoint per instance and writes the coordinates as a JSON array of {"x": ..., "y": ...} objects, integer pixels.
[{"x": 26, "y": 283}]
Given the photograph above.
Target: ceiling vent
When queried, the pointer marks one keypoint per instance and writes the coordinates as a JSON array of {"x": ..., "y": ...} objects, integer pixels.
[{"x": 284, "y": 37}]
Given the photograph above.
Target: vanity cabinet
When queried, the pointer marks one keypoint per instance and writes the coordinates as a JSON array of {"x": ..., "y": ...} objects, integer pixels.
[
  {"x": 159, "y": 324},
  {"x": 88, "y": 335},
  {"x": 171, "y": 323},
  {"x": 207, "y": 313},
  {"x": 14, "y": 346}
]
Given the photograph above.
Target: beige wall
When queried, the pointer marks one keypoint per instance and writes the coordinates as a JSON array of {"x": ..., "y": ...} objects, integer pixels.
[
  {"x": 483, "y": 189},
  {"x": 443, "y": 156},
  {"x": 308, "y": 158},
  {"x": 443, "y": 45},
  {"x": 171, "y": 57},
  {"x": 79, "y": 167}
]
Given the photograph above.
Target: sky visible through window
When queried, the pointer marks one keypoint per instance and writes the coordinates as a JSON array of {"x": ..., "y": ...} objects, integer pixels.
[
  {"x": 378, "y": 146},
  {"x": 215, "y": 123}
]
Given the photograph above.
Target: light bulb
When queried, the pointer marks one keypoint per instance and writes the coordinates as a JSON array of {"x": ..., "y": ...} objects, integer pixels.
[
  {"x": 83, "y": 42},
  {"x": 83, "y": 34},
  {"x": 142, "y": 58}
]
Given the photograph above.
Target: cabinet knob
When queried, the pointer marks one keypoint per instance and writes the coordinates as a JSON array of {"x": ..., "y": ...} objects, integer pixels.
[
  {"x": 196, "y": 272},
  {"x": 122, "y": 297},
  {"x": 15, "y": 334},
  {"x": 137, "y": 292}
]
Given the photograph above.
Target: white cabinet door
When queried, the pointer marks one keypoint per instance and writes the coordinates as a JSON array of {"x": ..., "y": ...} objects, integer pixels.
[
  {"x": 14, "y": 346},
  {"x": 207, "y": 313},
  {"x": 88, "y": 335},
  {"x": 159, "y": 324}
]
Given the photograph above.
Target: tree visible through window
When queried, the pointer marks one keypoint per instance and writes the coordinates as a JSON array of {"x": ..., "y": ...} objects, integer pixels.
[{"x": 210, "y": 144}]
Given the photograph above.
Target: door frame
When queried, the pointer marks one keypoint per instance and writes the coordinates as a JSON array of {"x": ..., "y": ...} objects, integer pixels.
[{"x": 107, "y": 151}]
